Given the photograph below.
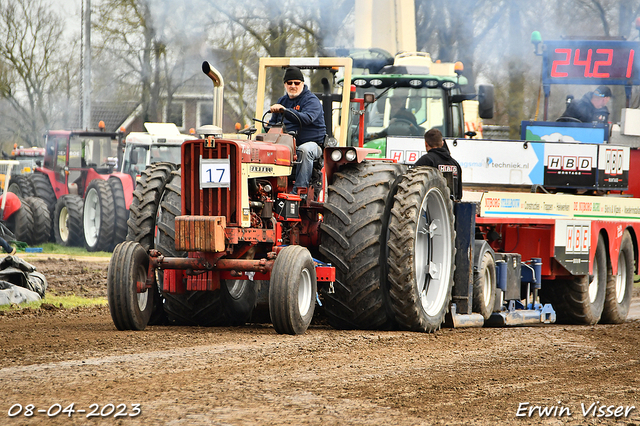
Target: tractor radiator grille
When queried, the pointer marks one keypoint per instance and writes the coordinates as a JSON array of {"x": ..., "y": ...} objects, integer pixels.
[{"x": 210, "y": 201}]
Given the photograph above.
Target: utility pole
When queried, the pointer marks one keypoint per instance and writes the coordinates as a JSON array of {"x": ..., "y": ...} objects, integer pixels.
[{"x": 86, "y": 67}]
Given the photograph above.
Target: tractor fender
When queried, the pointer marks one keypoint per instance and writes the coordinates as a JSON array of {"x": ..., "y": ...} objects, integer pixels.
[{"x": 12, "y": 205}]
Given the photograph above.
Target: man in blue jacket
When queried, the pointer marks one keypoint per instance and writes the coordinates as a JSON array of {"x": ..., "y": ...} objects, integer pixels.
[{"x": 311, "y": 129}]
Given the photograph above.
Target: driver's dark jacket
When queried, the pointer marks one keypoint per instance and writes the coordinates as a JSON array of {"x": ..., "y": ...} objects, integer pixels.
[
  {"x": 308, "y": 108},
  {"x": 441, "y": 158},
  {"x": 584, "y": 110}
]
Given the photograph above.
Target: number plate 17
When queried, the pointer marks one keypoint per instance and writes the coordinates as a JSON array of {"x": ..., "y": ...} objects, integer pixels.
[{"x": 215, "y": 173}]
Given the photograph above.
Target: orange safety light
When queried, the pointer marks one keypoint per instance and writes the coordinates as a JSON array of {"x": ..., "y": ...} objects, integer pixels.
[
  {"x": 192, "y": 131},
  {"x": 238, "y": 126},
  {"x": 123, "y": 129},
  {"x": 458, "y": 67},
  {"x": 101, "y": 125}
]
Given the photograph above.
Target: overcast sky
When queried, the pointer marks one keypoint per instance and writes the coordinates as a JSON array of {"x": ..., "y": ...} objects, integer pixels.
[{"x": 71, "y": 10}]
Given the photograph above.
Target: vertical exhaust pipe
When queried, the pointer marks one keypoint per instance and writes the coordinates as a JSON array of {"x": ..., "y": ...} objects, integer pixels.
[{"x": 218, "y": 85}]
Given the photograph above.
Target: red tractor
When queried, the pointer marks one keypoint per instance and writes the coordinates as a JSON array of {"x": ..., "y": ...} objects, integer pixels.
[
  {"x": 84, "y": 196},
  {"x": 206, "y": 240}
]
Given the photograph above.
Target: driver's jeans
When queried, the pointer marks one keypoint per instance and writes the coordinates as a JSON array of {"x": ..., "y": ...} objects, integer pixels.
[{"x": 307, "y": 154}]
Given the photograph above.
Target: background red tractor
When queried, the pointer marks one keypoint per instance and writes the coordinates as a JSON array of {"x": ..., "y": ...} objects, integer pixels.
[{"x": 83, "y": 194}]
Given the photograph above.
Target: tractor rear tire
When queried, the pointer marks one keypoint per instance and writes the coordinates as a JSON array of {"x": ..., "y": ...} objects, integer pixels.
[
  {"x": 42, "y": 189},
  {"x": 21, "y": 223},
  {"x": 21, "y": 186},
  {"x": 98, "y": 217},
  {"x": 129, "y": 309},
  {"x": 422, "y": 250},
  {"x": 620, "y": 286},
  {"x": 120, "y": 211},
  {"x": 353, "y": 236},
  {"x": 229, "y": 305},
  {"x": 146, "y": 199},
  {"x": 580, "y": 299},
  {"x": 42, "y": 222},
  {"x": 67, "y": 221},
  {"x": 484, "y": 286},
  {"x": 292, "y": 294}
]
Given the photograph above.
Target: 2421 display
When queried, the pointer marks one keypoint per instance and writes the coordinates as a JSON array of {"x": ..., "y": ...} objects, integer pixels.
[{"x": 611, "y": 62}]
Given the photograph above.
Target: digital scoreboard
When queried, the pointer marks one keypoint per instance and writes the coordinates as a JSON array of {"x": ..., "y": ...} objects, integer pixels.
[{"x": 611, "y": 62}]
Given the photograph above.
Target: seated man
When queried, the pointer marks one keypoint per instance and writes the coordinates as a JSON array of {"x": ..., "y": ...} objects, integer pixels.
[
  {"x": 399, "y": 116},
  {"x": 311, "y": 129},
  {"x": 592, "y": 107}
]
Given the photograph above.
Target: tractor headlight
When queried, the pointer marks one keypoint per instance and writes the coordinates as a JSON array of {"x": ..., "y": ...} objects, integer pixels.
[
  {"x": 336, "y": 155},
  {"x": 350, "y": 155}
]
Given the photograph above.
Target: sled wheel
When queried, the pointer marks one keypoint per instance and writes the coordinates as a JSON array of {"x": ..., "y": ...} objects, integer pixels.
[
  {"x": 484, "y": 287},
  {"x": 293, "y": 290},
  {"x": 129, "y": 309},
  {"x": 619, "y": 286},
  {"x": 579, "y": 299}
]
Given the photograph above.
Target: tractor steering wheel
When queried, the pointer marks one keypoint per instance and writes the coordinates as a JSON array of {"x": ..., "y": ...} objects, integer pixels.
[
  {"x": 280, "y": 122},
  {"x": 568, "y": 120},
  {"x": 401, "y": 127}
]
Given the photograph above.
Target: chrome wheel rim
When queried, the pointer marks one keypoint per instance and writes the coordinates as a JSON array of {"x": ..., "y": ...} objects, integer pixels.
[{"x": 433, "y": 248}]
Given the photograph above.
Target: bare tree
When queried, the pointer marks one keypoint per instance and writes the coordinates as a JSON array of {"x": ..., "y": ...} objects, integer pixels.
[
  {"x": 280, "y": 28},
  {"x": 128, "y": 39},
  {"x": 30, "y": 39}
]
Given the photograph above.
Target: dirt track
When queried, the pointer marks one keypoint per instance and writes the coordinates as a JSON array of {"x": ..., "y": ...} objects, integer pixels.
[{"x": 250, "y": 375}]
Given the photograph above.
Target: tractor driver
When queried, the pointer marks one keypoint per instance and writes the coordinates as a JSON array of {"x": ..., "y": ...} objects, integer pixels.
[
  {"x": 438, "y": 155},
  {"x": 399, "y": 114},
  {"x": 592, "y": 107},
  {"x": 311, "y": 129}
]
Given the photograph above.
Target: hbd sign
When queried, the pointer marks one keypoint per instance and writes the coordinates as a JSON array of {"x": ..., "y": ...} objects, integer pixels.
[{"x": 569, "y": 164}]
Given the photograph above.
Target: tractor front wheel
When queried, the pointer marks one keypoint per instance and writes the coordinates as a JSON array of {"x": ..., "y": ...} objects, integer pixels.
[
  {"x": 292, "y": 294},
  {"x": 129, "y": 309},
  {"x": 67, "y": 222}
]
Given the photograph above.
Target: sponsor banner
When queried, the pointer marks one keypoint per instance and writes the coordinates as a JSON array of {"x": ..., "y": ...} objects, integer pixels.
[
  {"x": 554, "y": 165},
  {"x": 613, "y": 166},
  {"x": 572, "y": 245},
  {"x": 405, "y": 150},
  {"x": 570, "y": 165},
  {"x": 558, "y": 206}
]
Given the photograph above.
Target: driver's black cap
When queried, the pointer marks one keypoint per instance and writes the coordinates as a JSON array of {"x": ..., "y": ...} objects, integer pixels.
[
  {"x": 293, "y": 73},
  {"x": 603, "y": 91}
]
